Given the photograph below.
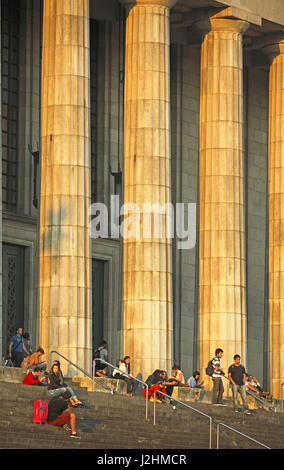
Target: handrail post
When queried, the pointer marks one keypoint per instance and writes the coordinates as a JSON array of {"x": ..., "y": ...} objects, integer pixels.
[
  {"x": 282, "y": 385},
  {"x": 154, "y": 421},
  {"x": 217, "y": 435},
  {"x": 210, "y": 432}
]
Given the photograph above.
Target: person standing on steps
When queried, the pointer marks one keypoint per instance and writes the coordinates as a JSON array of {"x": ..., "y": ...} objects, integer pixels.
[
  {"x": 17, "y": 348},
  {"x": 218, "y": 388},
  {"x": 237, "y": 377}
]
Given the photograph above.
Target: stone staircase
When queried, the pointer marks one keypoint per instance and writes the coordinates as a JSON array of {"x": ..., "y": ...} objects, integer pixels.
[{"x": 118, "y": 422}]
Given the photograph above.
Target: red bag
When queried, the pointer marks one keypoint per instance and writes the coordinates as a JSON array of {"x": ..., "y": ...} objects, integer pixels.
[{"x": 40, "y": 412}]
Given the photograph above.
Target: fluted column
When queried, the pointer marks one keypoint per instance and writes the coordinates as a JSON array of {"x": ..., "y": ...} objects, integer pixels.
[
  {"x": 276, "y": 211},
  {"x": 147, "y": 270},
  {"x": 222, "y": 259},
  {"x": 65, "y": 284}
]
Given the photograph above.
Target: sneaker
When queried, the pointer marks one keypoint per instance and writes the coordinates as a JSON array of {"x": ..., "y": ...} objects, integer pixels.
[
  {"x": 66, "y": 428},
  {"x": 151, "y": 400},
  {"x": 247, "y": 412},
  {"x": 237, "y": 411},
  {"x": 220, "y": 404},
  {"x": 75, "y": 436},
  {"x": 158, "y": 401}
]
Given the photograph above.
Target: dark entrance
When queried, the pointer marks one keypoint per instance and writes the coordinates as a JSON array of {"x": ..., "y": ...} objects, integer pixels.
[
  {"x": 13, "y": 292},
  {"x": 98, "y": 268}
]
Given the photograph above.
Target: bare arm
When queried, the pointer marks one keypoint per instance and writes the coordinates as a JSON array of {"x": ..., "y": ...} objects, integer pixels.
[{"x": 230, "y": 378}]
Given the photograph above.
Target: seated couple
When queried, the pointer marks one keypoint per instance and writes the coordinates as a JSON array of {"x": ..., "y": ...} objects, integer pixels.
[{"x": 159, "y": 381}]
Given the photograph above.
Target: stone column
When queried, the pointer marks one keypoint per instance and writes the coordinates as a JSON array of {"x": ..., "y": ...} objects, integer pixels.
[
  {"x": 1, "y": 216},
  {"x": 65, "y": 269},
  {"x": 147, "y": 268},
  {"x": 222, "y": 237},
  {"x": 275, "y": 49}
]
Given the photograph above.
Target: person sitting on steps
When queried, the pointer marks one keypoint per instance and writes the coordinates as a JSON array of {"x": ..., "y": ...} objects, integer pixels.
[
  {"x": 115, "y": 372},
  {"x": 56, "y": 386},
  {"x": 59, "y": 414},
  {"x": 124, "y": 370},
  {"x": 32, "y": 378},
  {"x": 33, "y": 360},
  {"x": 155, "y": 383},
  {"x": 176, "y": 380},
  {"x": 101, "y": 353},
  {"x": 193, "y": 381}
]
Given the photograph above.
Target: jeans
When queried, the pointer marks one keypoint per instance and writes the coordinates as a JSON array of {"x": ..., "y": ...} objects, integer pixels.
[
  {"x": 131, "y": 384},
  {"x": 218, "y": 390},
  {"x": 241, "y": 389},
  {"x": 59, "y": 391}
]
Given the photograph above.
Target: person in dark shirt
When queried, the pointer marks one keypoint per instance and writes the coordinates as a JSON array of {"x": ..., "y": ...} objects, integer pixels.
[
  {"x": 59, "y": 414},
  {"x": 154, "y": 382},
  {"x": 57, "y": 387},
  {"x": 237, "y": 377}
]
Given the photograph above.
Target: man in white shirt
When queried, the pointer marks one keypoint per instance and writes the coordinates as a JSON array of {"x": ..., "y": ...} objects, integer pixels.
[{"x": 218, "y": 388}]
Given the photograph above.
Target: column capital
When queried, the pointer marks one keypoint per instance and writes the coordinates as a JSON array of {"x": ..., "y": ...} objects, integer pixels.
[
  {"x": 225, "y": 20},
  {"x": 163, "y": 3},
  {"x": 273, "y": 45}
]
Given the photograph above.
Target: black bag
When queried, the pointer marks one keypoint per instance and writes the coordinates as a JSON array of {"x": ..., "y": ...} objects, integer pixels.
[
  {"x": 97, "y": 354},
  {"x": 209, "y": 369}
]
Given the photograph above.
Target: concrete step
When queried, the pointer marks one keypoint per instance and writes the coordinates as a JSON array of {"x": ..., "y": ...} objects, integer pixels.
[{"x": 110, "y": 420}]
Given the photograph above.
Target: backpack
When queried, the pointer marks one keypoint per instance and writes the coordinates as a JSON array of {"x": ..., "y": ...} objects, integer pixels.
[
  {"x": 40, "y": 412},
  {"x": 97, "y": 354},
  {"x": 209, "y": 369}
]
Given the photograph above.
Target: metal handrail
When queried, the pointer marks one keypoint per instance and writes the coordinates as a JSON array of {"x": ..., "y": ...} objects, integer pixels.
[
  {"x": 128, "y": 374},
  {"x": 251, "y": 394},
  {"x": 238, "y": 432},
  {"x": 282, "y": 385},
  {"x": 81, "y": 370},
  {"x": 187, "y": 406}
]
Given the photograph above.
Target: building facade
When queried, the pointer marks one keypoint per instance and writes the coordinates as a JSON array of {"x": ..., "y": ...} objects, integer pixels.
[{"x": 175, "y": 102}]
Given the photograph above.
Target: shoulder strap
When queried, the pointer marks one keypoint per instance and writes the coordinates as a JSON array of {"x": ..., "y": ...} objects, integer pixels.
[{"x": 17, "y": 344}]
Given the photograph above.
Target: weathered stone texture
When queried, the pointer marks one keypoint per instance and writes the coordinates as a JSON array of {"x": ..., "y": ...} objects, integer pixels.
[
  {"x": 65, "y": 284},
  {"x": 221, "y": 249}
]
